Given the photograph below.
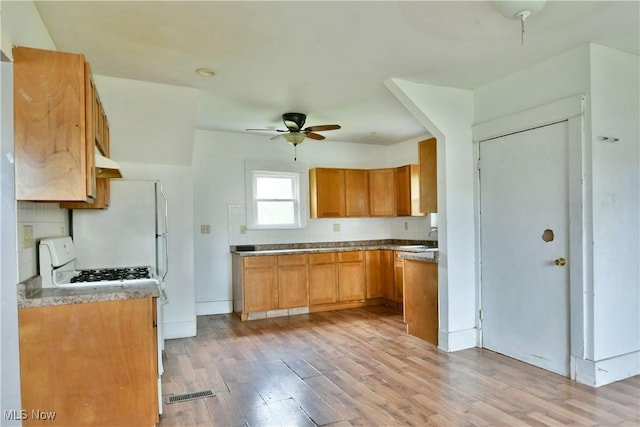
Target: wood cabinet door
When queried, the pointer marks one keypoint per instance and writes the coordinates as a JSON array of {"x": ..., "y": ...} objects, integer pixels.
[
  {"x": 260, "y": 285},
  {"x": 382, "y": 192},
  {"x": 408, "y": 191},
  {"x": 421, "y": 299},
  {"x": 375, "y": 284},
  {"x": 351, "y": 278},
  {"x": 427, "y": 154},
  {"x": 327, "y": 193},
  {"x": 293, "y": 288},
  {"x": 323, "y": 283},
  {"x": 49, "y": 120},
  {"x": 398, "y": 278},
  {"x": 356, "y": 192},
  {"x": 387, "y": 274},
  {"x": 91, "y": 364}
]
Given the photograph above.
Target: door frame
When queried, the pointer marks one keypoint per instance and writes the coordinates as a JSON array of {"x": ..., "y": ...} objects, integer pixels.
[{"x": 572, "y": 110}]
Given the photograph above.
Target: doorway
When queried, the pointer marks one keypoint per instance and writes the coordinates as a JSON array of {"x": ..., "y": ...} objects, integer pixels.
[{"x": 524, "y": 223}]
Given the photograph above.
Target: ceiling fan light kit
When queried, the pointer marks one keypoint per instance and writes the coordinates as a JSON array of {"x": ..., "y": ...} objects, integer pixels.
[{"x": 295, "y": 134}]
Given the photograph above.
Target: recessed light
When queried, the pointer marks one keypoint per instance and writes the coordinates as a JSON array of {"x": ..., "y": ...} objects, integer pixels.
[{"x": 206, "y": 72}]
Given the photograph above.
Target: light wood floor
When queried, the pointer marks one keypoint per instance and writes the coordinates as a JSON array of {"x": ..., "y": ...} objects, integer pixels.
[{"x": 359, "y": 368}]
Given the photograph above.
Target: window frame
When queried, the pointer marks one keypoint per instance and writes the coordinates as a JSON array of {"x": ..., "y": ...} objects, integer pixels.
[{"x": 299, "y": 175}]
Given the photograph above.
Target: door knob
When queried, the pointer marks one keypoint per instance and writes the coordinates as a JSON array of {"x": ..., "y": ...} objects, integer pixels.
[{"x": 560, "y": 261}]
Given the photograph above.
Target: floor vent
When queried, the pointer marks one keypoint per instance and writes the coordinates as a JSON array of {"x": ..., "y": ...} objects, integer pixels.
[{"x": 174, "y": 398}]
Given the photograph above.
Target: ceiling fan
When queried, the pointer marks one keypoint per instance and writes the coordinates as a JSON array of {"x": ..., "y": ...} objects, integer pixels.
[{"x": 295, "y": 134}]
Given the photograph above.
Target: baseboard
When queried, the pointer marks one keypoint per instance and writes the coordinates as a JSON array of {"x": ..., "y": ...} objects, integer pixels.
[
  {"x": 457, "y": 340},
  {"x": 607, "y": 371},
  {"x": 214, "y": 307},
  {"x": 182, "y": 329}
]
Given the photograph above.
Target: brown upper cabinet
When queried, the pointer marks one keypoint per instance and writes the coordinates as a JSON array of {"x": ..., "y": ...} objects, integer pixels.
[
  {"x": 327, "y": 193},
  {"x": 408, "y": 191},
  {"x": 382, "y": 192},
  {"x": 58, "y": 122},
  {"x": 336, "y": 193},
  {"x": 356, "y": 192},
  {"x": 427, "y": 154}
]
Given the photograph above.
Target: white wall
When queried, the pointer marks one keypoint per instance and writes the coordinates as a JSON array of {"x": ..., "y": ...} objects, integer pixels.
[
  {"x": 20, "y": 24},
  {"x": 615, "y": 112},
  {"x": 447, "y": 113},
  {"x": 219, "y": 187},
  {"x": 149, "y": 122},
  {"x": 605, "y": 324}
]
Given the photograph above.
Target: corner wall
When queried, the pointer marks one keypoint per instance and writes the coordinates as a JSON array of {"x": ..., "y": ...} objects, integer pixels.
[{"x": 447, "y": 113}]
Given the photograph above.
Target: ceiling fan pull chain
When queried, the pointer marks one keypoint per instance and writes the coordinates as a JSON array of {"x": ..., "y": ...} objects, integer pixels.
[{"x": 295, "y": 153}]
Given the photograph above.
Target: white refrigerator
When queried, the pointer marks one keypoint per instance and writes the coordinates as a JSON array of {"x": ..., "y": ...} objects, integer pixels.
[{"x": 131, "y": 232}]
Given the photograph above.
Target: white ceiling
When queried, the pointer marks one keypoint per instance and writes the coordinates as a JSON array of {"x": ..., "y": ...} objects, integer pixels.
[{"x": 327, "y": 59}]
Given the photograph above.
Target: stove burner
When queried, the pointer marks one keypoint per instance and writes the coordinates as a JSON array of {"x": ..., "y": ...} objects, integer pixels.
[{"x": 112, "y": 274}]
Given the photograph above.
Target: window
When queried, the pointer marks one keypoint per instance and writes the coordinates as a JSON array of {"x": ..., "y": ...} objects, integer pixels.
[{"x": 275, "y": 199}]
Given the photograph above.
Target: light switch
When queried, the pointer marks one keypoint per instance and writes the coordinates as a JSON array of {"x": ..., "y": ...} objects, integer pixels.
[
  {"x": 336, "y": 227},
  {"x": 205, "y": 229}
]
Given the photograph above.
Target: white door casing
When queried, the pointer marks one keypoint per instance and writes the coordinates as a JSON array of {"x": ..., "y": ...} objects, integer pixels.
[{"x": 524, "y": 190}]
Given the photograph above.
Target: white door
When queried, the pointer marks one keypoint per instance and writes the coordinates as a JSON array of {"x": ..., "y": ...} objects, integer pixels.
[{"x": 524, "y": 221}]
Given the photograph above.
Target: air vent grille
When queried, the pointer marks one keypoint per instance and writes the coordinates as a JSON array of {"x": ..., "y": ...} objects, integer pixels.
[{"x": 174, "y": 398}]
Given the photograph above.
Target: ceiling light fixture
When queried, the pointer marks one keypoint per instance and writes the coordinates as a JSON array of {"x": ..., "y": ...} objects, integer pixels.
[
  {"x": 520, "y": 10},
  {"x": 294, "y": 138},
  {"x": 205, "y": 72}
]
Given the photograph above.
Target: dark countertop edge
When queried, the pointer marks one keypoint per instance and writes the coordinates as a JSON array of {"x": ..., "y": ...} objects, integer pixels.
[
  {"x": 31, "y": 294},
  {"x": 418, "y": 254},
  {"x": 333, "y": 246}
]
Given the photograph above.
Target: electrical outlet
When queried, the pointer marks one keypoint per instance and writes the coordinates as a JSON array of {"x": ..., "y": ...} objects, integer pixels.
[
  {"x": 27, "y": 237},
  {"x": 243, "y": 229},
  {"x": 205, "y": 229},
  {"x": 406, "y": 225},
  {"x": 336, "y": 227}
]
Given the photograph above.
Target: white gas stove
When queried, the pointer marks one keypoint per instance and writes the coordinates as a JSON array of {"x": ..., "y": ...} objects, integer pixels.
[{"x": 57, "y": 269}]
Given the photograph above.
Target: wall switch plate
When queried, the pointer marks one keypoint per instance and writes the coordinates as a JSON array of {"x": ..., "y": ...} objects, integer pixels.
[
  {"x": 406, "y": 225},
  {"x": 205, "y": 229},
  {"x": 27, "y": 237},
  {"x": 243, "y": 229},
  {"x": 336, "y": 227}
]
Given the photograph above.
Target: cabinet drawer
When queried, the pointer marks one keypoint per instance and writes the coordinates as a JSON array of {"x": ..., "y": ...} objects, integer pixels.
[
  {"x": 258, "y": 261},
  {"x": 351, "y": 256},
  {"x": 322, "y": 258},
  {"x": 292, "y": 259}
]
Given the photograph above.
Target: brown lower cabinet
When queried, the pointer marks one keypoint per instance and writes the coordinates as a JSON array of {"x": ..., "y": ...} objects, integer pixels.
[
  {"x": 323, "y": 278},
  {"x": 91, "y": 364},
  {"x": 293, "y": 290},
  {"x": 317, "y": 281},
  {"x": 421, "y": 299},
  {"x": 351, "y": 276}
]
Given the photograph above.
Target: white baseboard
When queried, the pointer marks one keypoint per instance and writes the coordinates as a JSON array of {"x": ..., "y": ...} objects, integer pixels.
[
  {"x": 182, "y": 329},
  {"x": 214, "y": 307},
  {"x": 607, "y": 371},
  {"x": 457, "y": 340}
]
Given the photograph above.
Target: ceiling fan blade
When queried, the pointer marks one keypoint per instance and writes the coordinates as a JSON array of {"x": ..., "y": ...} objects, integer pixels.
[
  {"x": 322, "y": 127},
  {"x": 282, "y": 135},
  {"x": 270, "y": 130},
  {"x": 314, "y": 136}
]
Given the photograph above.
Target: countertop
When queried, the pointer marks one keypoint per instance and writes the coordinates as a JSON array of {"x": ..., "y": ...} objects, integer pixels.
[
  {"x": 416, "y": 250},
  {"x": 32, "y": 294}
]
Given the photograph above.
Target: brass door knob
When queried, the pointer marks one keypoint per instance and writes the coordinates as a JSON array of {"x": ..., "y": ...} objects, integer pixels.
[{"x": 560, "y": 261}]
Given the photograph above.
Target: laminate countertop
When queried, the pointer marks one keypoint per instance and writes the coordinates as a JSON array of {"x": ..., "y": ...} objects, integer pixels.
[
  {"x": 32, "y": 294},
  {"x": 426, "y": 251}
]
